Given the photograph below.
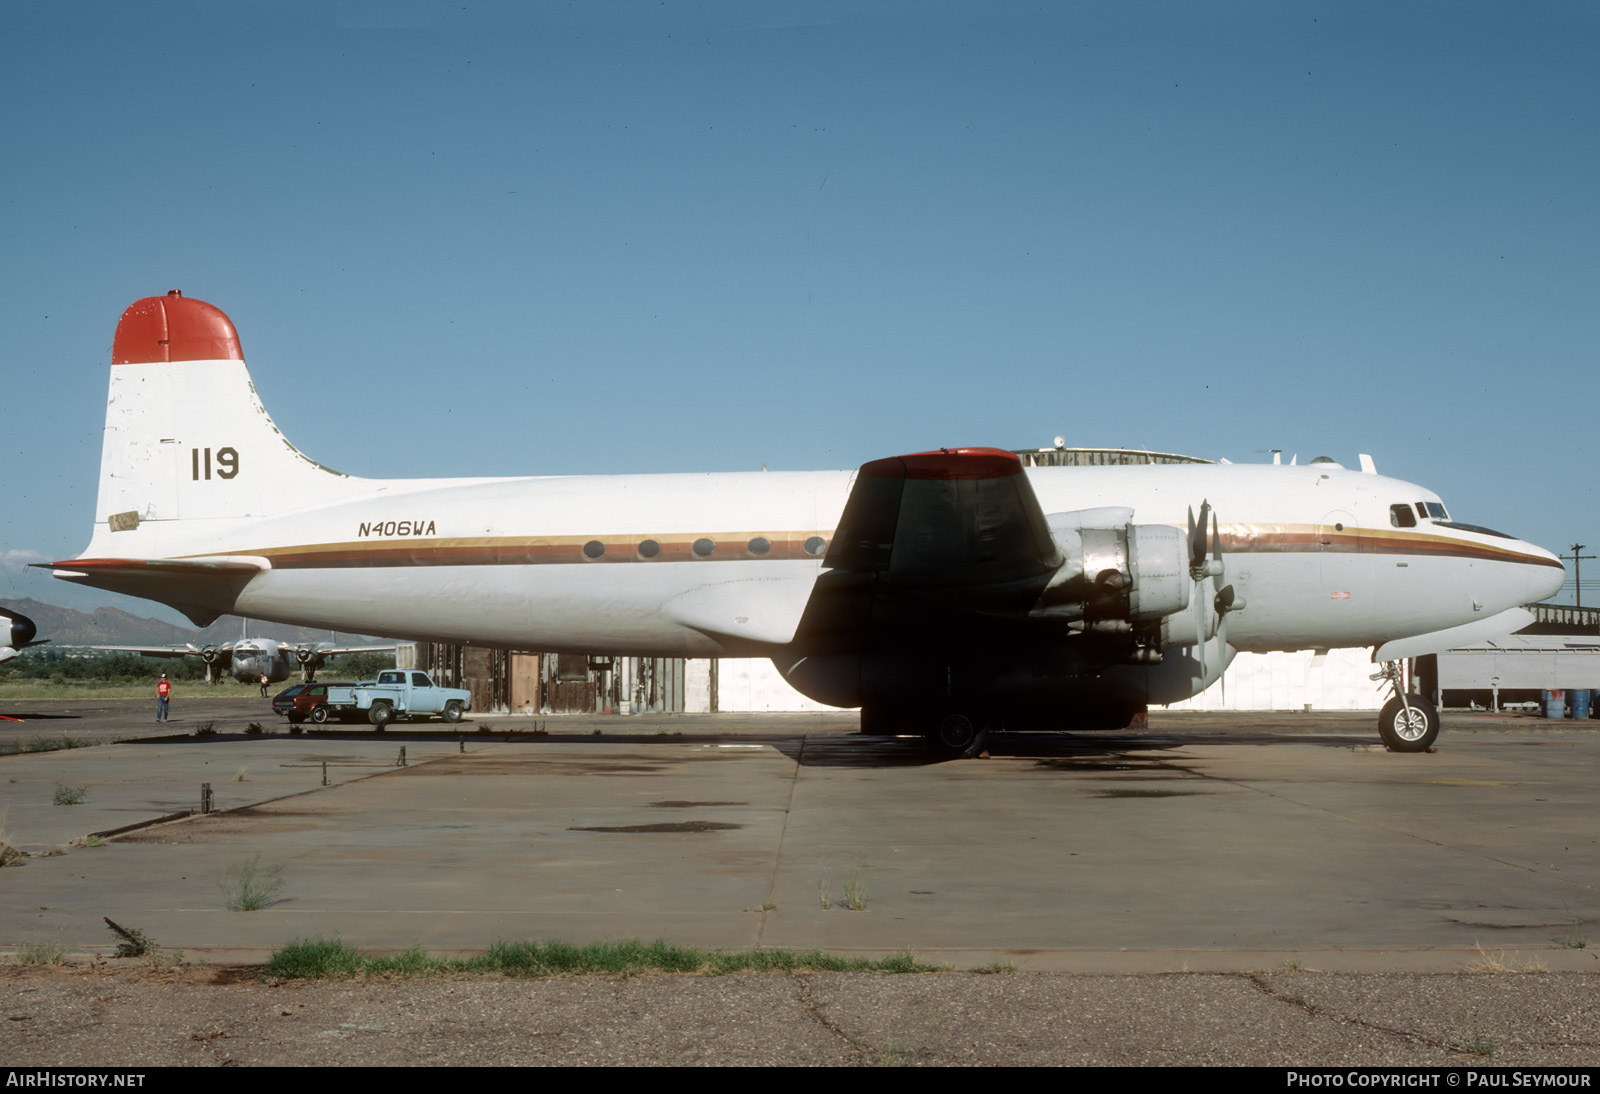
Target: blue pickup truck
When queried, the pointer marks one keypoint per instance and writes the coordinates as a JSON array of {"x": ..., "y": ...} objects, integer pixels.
[{"x": 399, "y": 693}]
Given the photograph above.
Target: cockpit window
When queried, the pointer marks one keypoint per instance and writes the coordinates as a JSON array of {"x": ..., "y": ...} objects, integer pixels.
[
  {"x": 1431, "y": 510},
  {"x": 1400, "y": 516}
]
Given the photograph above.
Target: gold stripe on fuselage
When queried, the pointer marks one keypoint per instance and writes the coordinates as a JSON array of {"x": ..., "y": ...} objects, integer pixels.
[{"x": 548, "y": 550}]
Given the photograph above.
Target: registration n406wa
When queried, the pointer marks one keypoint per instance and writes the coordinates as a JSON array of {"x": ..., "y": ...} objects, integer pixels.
[{"x": 944, "y": 592}]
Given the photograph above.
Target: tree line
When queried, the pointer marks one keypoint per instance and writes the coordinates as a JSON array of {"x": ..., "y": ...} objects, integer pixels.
[{"x": 62, "y": 666}]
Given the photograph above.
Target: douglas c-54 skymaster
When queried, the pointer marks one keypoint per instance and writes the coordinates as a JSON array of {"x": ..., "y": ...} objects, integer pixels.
[{"x": 944, "y": 592}]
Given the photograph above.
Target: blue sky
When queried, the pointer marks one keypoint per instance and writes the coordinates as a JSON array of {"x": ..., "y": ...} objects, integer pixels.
[{"x": 564, "y": 238}]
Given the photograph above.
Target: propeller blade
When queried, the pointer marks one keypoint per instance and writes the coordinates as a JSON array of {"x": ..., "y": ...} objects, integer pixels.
[{"x": 1216, "y": 555}]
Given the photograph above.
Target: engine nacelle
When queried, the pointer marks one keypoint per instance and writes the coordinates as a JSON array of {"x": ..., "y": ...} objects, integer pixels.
[{"x": 1116, "y": 569}]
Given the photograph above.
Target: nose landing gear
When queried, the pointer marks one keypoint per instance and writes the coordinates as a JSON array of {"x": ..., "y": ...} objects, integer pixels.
[{"x": 1407, "y": 723}]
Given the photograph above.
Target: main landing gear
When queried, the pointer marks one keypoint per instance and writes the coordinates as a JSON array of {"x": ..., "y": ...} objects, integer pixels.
[
  {"x": 950, "y": 734},
  {"x": 1407, "y": 723},
  {"x": 958, "y": 736}
]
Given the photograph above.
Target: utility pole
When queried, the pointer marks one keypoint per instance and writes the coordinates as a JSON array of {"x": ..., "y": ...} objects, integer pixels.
[{"x": 1577, "y": 572}]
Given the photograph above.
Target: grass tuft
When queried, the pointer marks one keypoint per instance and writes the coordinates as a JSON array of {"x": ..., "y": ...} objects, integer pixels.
[
  {"x": 1502, "y": 962},
  {"x": 855, "y": 891},
  {"x": 9, "y": 855},
  {"x": 40, "y": 953},
  {"x": 68, "y": 795},
  {"x": 333, "y": 959},
  {"x": 250, "y": 886},
  {"x": 315, "y": 959}
]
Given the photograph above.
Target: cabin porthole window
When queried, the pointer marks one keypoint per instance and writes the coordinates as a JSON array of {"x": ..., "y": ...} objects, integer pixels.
[
  {"x": 814, "y": 545},
  {"x": 760, "y": 545},
  {"x": 649, "y": 548},
  {"x": 703, "y": 547},
  {"x": 594, "y": 549}
]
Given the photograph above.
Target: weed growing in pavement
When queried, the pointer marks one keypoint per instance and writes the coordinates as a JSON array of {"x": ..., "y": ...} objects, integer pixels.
[
  {"x": 250, "y": 886},
  {"x": 68, "y": 795},
  {"x": 855, "y": 891},
  {"x": 9, "y": 855}
]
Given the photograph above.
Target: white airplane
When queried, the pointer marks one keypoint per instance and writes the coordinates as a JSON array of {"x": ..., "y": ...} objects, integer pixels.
[
  {"x": 944, "y": 592},
  {"x": 16, "y": 633},
  {"x": 249, "y": 659}
]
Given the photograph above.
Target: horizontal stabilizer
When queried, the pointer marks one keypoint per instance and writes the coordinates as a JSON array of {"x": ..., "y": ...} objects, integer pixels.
[
  {"x": 1419, "y": 645},
  {"x": 200, "y": 588}
]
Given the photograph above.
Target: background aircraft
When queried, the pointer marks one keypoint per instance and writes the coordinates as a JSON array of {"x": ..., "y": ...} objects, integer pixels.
[
  {"x": 16, "y": 633},
  {"x": 249, "y": 658}
]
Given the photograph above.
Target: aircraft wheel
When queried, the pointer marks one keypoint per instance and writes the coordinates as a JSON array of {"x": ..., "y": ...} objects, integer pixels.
[
  {"x": 958, "y": 735},
  {"x": 319, "y": 714},
  {"x": 452, "y": 711},
  {"x": 380, "y": 715},
  {"x": 1408, "y": 732}
]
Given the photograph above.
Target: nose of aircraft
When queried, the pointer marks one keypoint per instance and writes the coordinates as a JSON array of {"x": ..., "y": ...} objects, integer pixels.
[{"x": 1543, "y": 574}]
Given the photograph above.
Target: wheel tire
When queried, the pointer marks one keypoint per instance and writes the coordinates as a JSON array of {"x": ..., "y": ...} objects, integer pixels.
[
  {"x": 959, "y": 736},
  {"x": 1415, "y": 733},
  {"x": 452, "y": 711},
  {"x": 319, "y": 714},
  {"x": 380, "y": 715}
]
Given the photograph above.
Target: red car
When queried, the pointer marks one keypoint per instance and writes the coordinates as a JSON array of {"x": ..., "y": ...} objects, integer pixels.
[{"x": 303, "y": 701}]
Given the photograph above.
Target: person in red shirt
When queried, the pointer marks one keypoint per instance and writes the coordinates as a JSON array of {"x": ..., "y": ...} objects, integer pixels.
[{"x": 163, "y": 693}]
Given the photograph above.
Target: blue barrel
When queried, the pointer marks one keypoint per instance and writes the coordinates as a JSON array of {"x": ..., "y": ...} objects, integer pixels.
[
  {"x": 1555, "y": 703},
  {"x": 1579, "y": 698}
]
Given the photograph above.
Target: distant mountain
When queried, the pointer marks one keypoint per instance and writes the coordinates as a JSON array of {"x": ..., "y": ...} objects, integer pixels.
[{"x": 114, "y": 627}]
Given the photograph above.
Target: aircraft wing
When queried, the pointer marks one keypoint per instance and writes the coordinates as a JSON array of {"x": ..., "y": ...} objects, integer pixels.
[
  {"x": 932, "y": 538},
  {"x": 152, "y": 651},
  {"x": 961, "y": 516},
  {"x": 339, "y": 651}
]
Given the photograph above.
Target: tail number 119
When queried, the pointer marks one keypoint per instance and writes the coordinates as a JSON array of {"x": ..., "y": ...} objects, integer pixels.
[{"x": 200, "y": 463}]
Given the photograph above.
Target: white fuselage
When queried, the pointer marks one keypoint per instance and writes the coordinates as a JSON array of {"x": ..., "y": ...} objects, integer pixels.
[{"x": 500, "y": 561}]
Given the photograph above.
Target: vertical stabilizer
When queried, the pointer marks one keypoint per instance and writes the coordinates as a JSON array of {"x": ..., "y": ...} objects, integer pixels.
[{"x": 186, "y": 437}]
